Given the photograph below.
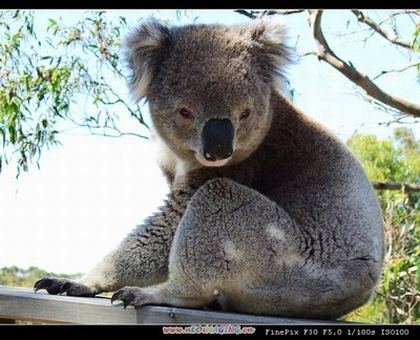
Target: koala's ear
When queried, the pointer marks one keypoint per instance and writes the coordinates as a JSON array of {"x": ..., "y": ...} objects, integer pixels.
[
  {"x": 268, "y": 41},
  {"x": 142, "y": 51}
]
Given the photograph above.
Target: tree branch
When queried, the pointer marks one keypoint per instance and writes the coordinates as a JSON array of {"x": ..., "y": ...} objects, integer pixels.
[
  {"x": 397, "y": 70},
  {"x": 249, "y": 14},
  {"x": 325, "y": 53},
  {"x": 255, "y": 14},
  {"x": 404, "y": 12},
  {"x": 378, "y": 105},
  {"x": 388, "y": 185},
  {"x": 362, "y": 17},
  {"x": 105, "y": 130}
]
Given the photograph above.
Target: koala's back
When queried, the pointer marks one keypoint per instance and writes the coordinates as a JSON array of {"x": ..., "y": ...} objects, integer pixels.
[{"x": 313, "y": 176}]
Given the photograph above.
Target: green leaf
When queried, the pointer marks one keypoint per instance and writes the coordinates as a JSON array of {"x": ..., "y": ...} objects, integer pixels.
[
  {"x": 16, "y": 15},
  {"x": 3, "y": 135},
  {"x": 51, "y": 24},
  {"x": 12, "y": 134}
]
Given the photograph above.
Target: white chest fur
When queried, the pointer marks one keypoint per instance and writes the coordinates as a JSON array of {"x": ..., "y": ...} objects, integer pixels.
[{"x": 168, "y": 160}]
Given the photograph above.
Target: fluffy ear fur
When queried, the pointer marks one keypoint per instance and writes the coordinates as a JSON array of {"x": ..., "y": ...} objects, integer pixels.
[
  {"x": 267, "y": 36},
  {"x": 142, "y": 51}
]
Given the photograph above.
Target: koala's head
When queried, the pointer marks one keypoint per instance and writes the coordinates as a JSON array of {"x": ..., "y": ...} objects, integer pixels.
[{"x": 208, "y": 86}]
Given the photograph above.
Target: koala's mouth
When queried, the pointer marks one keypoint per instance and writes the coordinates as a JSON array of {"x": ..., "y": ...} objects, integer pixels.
[{"x": 215, "y": 163}]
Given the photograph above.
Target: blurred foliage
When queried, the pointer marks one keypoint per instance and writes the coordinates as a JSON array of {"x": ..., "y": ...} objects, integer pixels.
[
  {"x": 397, "y": 298},
  {"x": 55, "y": 78},
  {"x": 18, "y": 277}
]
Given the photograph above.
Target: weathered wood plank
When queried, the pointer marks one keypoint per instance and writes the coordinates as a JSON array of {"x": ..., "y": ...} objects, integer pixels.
[
  {"x": 172, "y": 315},
  {"x": 24, "y": 304}
]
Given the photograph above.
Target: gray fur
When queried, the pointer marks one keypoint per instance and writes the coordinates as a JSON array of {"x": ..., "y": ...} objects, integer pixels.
[{"x": 289, "y": 226}]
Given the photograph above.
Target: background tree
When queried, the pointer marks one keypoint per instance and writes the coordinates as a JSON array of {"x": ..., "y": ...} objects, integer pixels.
[
  {"x": 397, "y": 159},
  {"x": 20, "y": 277},
  {"x": 45, "y": 76}
]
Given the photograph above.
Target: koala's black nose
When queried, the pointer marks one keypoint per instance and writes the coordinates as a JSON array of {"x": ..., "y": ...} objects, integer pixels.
[{"x": 217, "y": 139}]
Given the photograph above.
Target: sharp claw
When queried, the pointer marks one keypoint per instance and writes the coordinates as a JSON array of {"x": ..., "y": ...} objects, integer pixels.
[
  {"x": 116, "y": 296},
  {"x": 36, "y": 289},
  {"x": 36, "y": 283},
  {"x": 43, "y": 283},
  {"x": 35, "y": 286},
  {"x": 56, "y": 286},
  {"x": 126, "y": 298}
]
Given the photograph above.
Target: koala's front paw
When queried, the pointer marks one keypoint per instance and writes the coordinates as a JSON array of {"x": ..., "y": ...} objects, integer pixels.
[
  {"x": 56, "y": 286},
  {"x": 131, "y": 296}
]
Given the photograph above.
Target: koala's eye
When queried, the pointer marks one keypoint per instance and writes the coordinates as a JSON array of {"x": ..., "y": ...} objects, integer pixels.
[
  {"x": 185, "y": 113},
  {"x": 245, "y": 114}
]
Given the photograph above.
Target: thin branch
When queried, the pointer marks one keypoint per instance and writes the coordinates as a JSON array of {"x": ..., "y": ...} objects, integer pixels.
[
  {"x": 405, "y": 12},
  {"x": 287, "y": 11},
  {"x": 394, "y": 14},
  {"x": 398, "y": 121},
  {"x": 94, "y": 128},
  {"x": 378, "y": 105},
  {"x": 368, "y": 37},
  {"x": 118, "y": 135},
  {"x": 139, "y": 117},
  {"x": 249, "y": 14},
  {"x": 346, "y": 34},
  {"x": 397, "y": 70},
  {"x": 388, "y": 185},
  {"x": 255, "y": 14},
  {"x": 325, "y": 53},
  {"x": 362, "y": 17},
  {"x": 309, "y": 53}
]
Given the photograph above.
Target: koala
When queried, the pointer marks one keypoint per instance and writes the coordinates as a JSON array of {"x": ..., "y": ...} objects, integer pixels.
[{"x": 268, "y": 212}]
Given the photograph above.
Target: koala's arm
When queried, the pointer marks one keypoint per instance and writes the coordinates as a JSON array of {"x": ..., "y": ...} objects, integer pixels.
[{"x": 141, "y": 259}]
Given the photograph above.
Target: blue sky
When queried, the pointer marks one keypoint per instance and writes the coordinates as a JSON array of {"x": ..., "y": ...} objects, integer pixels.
[{"x": 89, "y": 193}]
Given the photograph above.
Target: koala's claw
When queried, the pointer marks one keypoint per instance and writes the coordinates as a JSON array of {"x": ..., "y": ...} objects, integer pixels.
[
  {"x": 56, "y": 286},
  {"x": 130, "y": 296},
  {"x": 51, "y": 285}
]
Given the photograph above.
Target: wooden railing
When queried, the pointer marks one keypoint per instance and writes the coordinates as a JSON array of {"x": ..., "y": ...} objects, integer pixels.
[{"x": 24, "y": 304}]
